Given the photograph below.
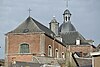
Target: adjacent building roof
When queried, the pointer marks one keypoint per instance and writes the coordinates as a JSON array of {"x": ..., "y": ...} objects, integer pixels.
[
  {"x": 25, "y": 64},
  {"x": 31, "y": 25},
  {"x": 44, "y": 60},
  {"x": 98, "y": 48},
  {"x": 2, "y": 62},
  {"x": 85, "y": 62},
  {"x": 82, "y": 62}
]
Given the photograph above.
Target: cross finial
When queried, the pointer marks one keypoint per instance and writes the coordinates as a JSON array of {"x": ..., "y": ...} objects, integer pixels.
[
  {"x": 29, "y": 11},
  {"x": 67, "y": 3}
]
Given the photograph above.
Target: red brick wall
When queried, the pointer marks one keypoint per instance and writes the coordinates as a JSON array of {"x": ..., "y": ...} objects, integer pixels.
[
  {"x": 81, "y": 48},
  {"x": 33, "y": 39},
  {"x": 14, "y": 41},
  {"x": 54, "y": 45},
  {"x": 24, "y": 58},
  {"x": 13, "y": 46}
]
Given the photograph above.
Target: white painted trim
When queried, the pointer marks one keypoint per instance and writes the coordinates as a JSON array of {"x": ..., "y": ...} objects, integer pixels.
[
  {"x": 93, "y": 61},
  {"x": 95, "y": 53}
]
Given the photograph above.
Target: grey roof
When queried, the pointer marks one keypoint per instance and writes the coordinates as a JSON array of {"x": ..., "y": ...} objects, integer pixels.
[
  {"x": 24, "y": 64},
  {"x": 44, "y": 60},
  {"x": 67, "y": 12},
  {"x": 2, "y": 62},
  {"x": 98, "y": 48},
  {"x": 84, "y": 62},
  {"x": 69, "y": 38},
  {"x": 31, "y": 25},
  {"x": 66, "y": 27},
  {"x": 54, "y": 20}
]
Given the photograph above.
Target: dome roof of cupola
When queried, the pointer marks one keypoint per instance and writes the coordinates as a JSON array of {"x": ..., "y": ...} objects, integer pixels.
[
  {"x": 67, "y": 12},
  {"x": 66, "y": 27}
]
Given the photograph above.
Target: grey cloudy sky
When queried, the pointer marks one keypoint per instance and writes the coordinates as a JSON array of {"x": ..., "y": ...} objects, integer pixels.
[{"x": 85, "y": 15}]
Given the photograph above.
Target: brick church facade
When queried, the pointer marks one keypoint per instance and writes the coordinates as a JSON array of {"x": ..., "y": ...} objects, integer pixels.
[{"x": 33, "y": 39}]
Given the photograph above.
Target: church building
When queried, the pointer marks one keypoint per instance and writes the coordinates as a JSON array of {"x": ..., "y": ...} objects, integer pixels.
[{"x": 33, "y": 42}]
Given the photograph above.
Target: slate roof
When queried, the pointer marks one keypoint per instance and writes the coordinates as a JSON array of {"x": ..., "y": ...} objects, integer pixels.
[
  {"x": 2, "y": 62},
  {"x": 70, "y": 38},
  {"x": 31, "y": 25},
  {"x": 44, "y": 60},
  {"x": 25, "y": 64},
  {"x": 66, "y": 27},
  {"x": 67, "y": 12},
  {"x": 84, "y": 62},
  {"x": 98, "y": 48},
  {"x": 54, "y": 20}
]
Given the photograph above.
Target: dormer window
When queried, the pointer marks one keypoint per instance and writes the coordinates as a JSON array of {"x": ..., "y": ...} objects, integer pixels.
[
  {"x": 26, "y": 30},
  {"x": 78, "y": 42}
]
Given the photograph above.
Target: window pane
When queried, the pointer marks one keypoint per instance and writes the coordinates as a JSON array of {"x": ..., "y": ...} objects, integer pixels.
[{"x": 24, "y": 48}]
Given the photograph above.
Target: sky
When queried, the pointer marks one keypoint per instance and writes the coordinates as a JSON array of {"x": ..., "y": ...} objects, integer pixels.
[{"x": 85, "y": 16}]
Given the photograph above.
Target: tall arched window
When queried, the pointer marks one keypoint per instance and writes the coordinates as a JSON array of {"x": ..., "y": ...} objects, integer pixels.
[
  {"x": 50, "y": 50},
  {"x": 24, "y": 48},
  {"x": 56, "y": 53},
  {"x": 66, "y": 18},
  {"x": 63, "y": 56}
]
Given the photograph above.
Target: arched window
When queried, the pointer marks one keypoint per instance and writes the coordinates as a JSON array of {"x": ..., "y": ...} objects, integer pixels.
[
  {"x": 56, "y": 53},
  {"x": 63, "y": 56},
  {"x": 66, "y": 18},
  {"x": 24, "y": 48},
  {"x": 50, "y": 50}
]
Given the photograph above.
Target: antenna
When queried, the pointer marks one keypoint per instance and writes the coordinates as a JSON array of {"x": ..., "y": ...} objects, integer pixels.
[
  {"x": 67, "y": 3},
  {"x": 29, "y": 11}
]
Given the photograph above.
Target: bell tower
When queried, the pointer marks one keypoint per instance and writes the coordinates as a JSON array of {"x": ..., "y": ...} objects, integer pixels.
[
  {"x": 67, "y": 13},
  {"x": 54, "y": 25},
  {"x": 66, "y": 16}
]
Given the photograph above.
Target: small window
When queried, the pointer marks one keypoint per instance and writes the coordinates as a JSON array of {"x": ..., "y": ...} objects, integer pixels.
[
  {"x": 63, "y": 55},
  {"x": 56, "y": 53},
  {"x": 26, "y": 30},
  {"x": 66, "y": 19},
  {"x": 24, "y": 48},
  {"x": 50, "y": 50}
]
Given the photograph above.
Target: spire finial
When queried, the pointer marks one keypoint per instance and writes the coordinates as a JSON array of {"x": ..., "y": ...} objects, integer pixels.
[
  {"x": 67, "y": 3},
  {"x": 53, "y": 17},
  {"x": 29, "y": 11}
]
